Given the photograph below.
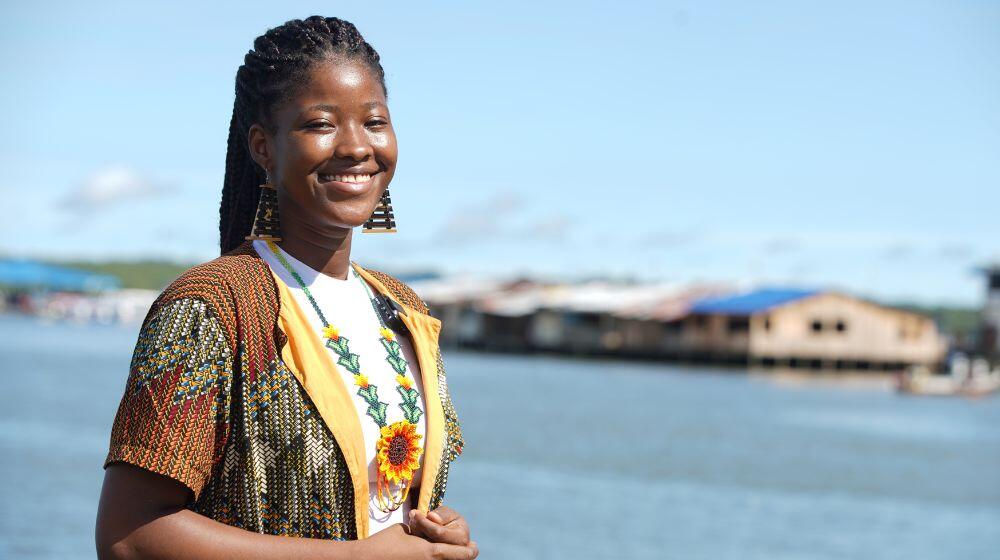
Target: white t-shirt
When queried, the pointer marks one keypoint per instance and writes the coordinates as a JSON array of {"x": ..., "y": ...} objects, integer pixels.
[{"x": 346, "y": 304}]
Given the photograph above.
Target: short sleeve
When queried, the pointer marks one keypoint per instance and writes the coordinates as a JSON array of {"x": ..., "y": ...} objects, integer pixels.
[{"x": 174, "y": 415}]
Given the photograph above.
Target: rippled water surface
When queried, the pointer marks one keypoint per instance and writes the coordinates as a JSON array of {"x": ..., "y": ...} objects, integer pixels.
[{"x": 570, "y": 458}]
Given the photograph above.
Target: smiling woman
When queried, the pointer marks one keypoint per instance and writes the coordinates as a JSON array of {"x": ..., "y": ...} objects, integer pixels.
[
  {"x": 281, "y": 389},
  {"x": 335, "y": 160}
]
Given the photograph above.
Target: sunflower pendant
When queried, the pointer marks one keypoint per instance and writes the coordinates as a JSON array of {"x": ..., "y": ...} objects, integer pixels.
[{"x": 398, "y": 453}]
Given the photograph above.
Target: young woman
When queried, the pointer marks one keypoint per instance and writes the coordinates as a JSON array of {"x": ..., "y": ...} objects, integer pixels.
[{"x": 282, "y": 390}]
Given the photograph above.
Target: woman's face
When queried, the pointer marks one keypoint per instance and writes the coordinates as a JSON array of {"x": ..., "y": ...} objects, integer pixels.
[{"x": 333, "y": 152}]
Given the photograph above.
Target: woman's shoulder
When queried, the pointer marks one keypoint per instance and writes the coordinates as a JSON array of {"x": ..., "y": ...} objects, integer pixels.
[
  {"x": 221, "y": 285},
  {"x": 228, "y": 271}
]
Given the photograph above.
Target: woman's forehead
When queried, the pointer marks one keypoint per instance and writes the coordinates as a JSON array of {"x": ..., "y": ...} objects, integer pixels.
[
  {"x": 336, "y": 88},
  {"x": 344, "y": 79}
]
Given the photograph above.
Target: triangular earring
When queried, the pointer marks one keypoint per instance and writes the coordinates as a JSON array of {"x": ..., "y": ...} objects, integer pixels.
[
  {"x": 265, "y": 223},
  {"x": 382, "y": 219}
]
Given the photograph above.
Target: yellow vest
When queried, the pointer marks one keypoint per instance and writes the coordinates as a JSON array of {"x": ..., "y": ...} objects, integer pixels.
[{"x": 309, "y": 361}]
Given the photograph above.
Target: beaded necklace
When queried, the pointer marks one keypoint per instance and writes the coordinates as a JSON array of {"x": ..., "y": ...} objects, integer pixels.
[{"x": 398, "y": 448}]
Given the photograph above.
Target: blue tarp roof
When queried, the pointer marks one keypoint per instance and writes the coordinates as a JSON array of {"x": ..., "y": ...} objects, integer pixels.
[
  {"x": 750, "y": 302},
  {"x": 24, "y": 273}
]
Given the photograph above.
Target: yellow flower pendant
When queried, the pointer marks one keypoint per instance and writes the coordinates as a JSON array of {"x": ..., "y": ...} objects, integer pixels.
[{"x": 398, "y": 453}]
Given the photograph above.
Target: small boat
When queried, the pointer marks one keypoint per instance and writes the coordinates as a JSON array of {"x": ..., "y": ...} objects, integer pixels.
[{"x": 963, "y": 376}]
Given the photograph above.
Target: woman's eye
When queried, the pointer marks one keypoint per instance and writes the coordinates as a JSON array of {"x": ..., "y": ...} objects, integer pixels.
[
  {"x": 319, "y": 124},
  {"x": 376, "y": 123}
]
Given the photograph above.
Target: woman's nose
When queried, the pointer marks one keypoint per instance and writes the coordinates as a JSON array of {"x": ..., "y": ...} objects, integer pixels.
[{"x": 352, "y": 144}]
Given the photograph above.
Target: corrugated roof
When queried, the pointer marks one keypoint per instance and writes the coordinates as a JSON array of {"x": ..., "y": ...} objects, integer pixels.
[
  {"x": 590, "y": 297},
  {"x": 750, "y": 302},
  {"x": 517, "y": 303},
  {"x": 606, "y": 297},
  {"x": 440, "y": 291},
  {"x": 26, "y": 273},
  {"x": 677, "y": 307}
]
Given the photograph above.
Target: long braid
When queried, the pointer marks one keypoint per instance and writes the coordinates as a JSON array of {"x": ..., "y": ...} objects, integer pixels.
[{"x": 271, "y": 73}]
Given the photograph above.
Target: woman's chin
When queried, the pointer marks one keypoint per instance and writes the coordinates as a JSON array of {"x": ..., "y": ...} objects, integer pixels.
[{"x": 340, "y": 223}]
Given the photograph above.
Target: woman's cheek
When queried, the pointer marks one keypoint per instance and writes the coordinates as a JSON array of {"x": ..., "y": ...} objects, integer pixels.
[{"x": 324, "y": 143}]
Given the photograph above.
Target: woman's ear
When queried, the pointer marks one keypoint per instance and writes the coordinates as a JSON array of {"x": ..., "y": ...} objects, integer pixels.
[{"x": 260, "y": 145}]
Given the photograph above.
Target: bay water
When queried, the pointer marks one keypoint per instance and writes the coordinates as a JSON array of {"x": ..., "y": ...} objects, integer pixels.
[{"x": 579, "y": 459}]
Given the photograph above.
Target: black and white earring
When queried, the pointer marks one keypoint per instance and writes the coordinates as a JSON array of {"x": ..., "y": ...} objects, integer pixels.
[
  {"x": 265, "y": 222},
  {"x": 382, "y": 219}
]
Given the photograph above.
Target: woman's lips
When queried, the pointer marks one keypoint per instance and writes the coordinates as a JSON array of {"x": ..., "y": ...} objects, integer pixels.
[{"x": 354, "y": 184}]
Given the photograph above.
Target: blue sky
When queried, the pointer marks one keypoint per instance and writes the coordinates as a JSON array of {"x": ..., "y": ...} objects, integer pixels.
[{"x": 853, "y": 146}]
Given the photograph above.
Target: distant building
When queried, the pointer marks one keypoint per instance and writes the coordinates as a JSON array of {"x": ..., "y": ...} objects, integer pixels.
[
  {"x": 583, "y": 319},
  {"x": 644, "y": 327},
  {"x": 31, "y": 275},
  {"x": 804, "y": 328},
  {"x": 990, "y": 332},
  {"x": 697, "y": 323},
  {"x": 507, "y": 317},
  {"x": 453, "y": 300}
]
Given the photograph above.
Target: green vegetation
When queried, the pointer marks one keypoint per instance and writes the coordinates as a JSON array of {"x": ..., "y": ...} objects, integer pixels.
[
  {"x": 957, "y": 321},
  {"x": 148, "y": 275}
]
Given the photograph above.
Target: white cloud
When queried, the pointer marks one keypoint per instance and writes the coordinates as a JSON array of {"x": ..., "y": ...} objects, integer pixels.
[
  {"x": 502, "y": 216},
  {"x": 481, "y": 220},
  {"x": 108, "y": 187}
]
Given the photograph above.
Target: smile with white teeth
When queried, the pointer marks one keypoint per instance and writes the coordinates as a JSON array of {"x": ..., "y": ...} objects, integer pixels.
[{"x": 346, "y": 178}]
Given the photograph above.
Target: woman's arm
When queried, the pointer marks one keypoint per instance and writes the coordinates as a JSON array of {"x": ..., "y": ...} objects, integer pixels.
[{"x": 142, "y": 515}]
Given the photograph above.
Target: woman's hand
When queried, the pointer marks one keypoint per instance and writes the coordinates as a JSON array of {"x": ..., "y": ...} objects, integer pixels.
[
  {"x": 442, "y": 525},
  {"x": 397, "y": 542}
]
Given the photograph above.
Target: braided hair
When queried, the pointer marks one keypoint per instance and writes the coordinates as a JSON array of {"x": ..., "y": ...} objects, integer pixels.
[{"x": 272, "y": 72}]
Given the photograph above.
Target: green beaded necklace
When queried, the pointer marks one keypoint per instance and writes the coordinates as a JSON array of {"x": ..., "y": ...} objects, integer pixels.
[{"x": 397, "y": 450}]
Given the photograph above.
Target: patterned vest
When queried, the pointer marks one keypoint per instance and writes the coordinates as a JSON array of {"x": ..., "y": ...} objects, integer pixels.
[{"x": 231, "y": 393}]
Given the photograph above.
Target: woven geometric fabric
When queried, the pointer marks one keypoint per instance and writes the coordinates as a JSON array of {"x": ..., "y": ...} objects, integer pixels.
[
  {"x": 209, "y": 402},
  {"x": 454, "y": 441},
  {"x": 173, "y": 417}
]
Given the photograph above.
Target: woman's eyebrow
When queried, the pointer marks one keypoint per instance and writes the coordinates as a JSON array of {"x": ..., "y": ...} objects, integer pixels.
[
  {"x": 333, "y": 108},
  {"x": 321, "y": 107}
]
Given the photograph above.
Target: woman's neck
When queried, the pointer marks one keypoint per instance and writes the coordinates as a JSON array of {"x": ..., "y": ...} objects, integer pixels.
[{"x": 330, "y": 255}]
